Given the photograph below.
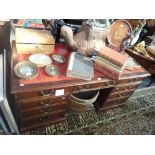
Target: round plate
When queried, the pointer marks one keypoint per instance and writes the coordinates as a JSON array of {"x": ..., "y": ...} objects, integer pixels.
[
  {"x": 118, "y": 31},
  {"x": 52, "y": 70},
  {"x": 26, "y": 70},
  {"x": 40, "y": 60},
  {"x": 58, "y": 58}
]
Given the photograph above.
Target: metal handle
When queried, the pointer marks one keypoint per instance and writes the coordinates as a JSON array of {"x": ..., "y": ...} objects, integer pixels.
[
  {"x": 46, "y": 103},
  {"x": 84, "y": 87},
  {"x": 43, "y": 93}
]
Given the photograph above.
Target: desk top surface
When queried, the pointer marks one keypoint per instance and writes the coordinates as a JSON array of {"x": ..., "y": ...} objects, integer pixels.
[{"x": 43, "y": 81}]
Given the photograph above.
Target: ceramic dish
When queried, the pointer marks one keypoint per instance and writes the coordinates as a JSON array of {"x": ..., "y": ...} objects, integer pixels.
[
  {"x": 118, "y": 31},
  {"x": 58, "y": 58},
  {"x": 40, "y": 60},
  {"x": 26, "y": 70},
  {"x": 52, "y": 70}
]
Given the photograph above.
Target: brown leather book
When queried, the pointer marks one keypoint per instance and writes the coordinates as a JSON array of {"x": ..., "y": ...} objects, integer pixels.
[
  {"x": 113, "y": 56},
  {"x": 107, "y": 70}
]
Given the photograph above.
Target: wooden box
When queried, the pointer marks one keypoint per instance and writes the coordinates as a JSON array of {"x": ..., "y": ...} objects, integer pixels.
[{"x": 31, "y": 41}]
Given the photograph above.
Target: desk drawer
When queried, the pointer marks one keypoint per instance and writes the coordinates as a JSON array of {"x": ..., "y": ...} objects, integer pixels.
[
  {"x": 43, "y": 118},
  {"x": 121, "y": 94},
  {"x": 41, "y": 103},
  {"x": 92, "y": 86},
  {"x": 126, "y": 87},
  {"x": 130, "y": 80},
  {"x": 42, "y": 94},
  {"x": 44, "y": 110}
]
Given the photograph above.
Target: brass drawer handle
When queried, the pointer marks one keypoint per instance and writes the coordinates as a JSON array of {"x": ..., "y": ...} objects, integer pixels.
[
  {"x": 83, "y": 87},
  {"x": 43, "y": 93},
  {"x": 46, "y": 109},
  {"x": 46, "y": 103}
]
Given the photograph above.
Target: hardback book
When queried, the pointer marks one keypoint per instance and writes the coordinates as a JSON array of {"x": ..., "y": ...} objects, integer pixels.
[
  {"x": 106, "y": 69},
  {"x": 112, "y": 56},
  {"x": 80, "y": 66}
]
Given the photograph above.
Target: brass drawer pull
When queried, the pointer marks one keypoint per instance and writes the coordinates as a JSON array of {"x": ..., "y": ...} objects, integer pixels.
[
  {"x": 46, "y": 109},
  {"x": 46, "y": 103},
  {"x": 44, "y": 93},
  {"x": 83, "y": 87}
]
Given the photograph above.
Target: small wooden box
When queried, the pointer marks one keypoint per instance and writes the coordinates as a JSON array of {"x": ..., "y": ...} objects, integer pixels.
[{"x": 31, "y": 41}]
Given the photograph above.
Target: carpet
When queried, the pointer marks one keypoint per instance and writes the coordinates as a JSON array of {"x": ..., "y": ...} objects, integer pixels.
[{"x": 136, "y": 118}]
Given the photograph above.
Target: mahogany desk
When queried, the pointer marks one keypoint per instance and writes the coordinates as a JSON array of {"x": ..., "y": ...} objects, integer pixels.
[{"x": 44, "y": 100}]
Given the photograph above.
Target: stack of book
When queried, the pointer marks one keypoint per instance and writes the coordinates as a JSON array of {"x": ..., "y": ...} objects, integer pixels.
[{"x": 110, "y": 62}]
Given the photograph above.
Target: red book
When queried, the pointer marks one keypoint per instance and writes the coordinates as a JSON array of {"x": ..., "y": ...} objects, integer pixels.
[
  {"x": 107, "y": 70},
  {"x": 112, "y": 56}
]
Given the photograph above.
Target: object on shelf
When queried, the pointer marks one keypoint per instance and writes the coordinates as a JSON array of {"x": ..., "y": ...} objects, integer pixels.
[
  {"x": 58, "y": 58},
  {"x": 30, "y": 23},
  {"x": 40, "y": 60},
  {"x": 92, "y": 36},
  {"x": 80, "y": 66},
  {"x": 143, "y": 57},
  {"x": 118, "y": 32},
  {"x": 82, "y": 102},
  {"x": 52, "y": 70},
  {"x": 140, "y": 48},
  {"x": 110, "y": 62},
  {"x": 32, "y": 41},
  {"x": 26, "y": 70},
  {"x": 137, "y": 32}
]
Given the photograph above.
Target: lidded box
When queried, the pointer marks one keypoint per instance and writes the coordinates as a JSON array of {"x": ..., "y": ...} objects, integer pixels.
[{"x": 32, "y": 41}]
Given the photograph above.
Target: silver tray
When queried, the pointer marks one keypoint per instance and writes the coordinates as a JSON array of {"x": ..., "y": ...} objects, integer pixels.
[
  {"x": 52, "y": 70},
  {"x": 26, "y": 70}
]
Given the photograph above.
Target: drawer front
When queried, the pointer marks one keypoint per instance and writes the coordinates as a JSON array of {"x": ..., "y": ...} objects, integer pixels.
[
  {"x": 121, "y": 94},
  {"x": 93, "y": 86},
  {"x": 42, "y": 118},
  {"x": 43, "y": 94},
  {"x": 44, "y": 110},
  {"x": 130, "y": 80},
  {"x": 125, "y": 87},
  {"x": 41, "y": 103}
]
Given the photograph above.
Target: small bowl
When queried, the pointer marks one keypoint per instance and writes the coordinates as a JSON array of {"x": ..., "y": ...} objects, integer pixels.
[
  {"x": 52, "y": 70},
  {"x": 58, "y": 58}
]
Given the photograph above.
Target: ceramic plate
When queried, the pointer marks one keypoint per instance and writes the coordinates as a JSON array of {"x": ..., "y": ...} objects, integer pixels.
[
  {"x": 118, "y": 31},
  {"x": 52, "y": 70},
  {"x": 40, "y": 60},
  {"x": 58, "y": 58},
  {"x": 26, "y": 70}
]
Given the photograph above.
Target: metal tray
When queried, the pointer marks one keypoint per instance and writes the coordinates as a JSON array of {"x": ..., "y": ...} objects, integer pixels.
[
  {"x": 118, "y": 31},
  {"x": 26, "y": 70}
]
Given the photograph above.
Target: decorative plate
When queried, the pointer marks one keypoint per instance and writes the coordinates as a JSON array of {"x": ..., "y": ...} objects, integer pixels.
[
  {"x": 26, "y": 70},
  {"x": 118, "y": 31},
  {"x": 58, "y": 58},
  {"x": 52, "y": 70},
  {"x": 40, "y": 60}
]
